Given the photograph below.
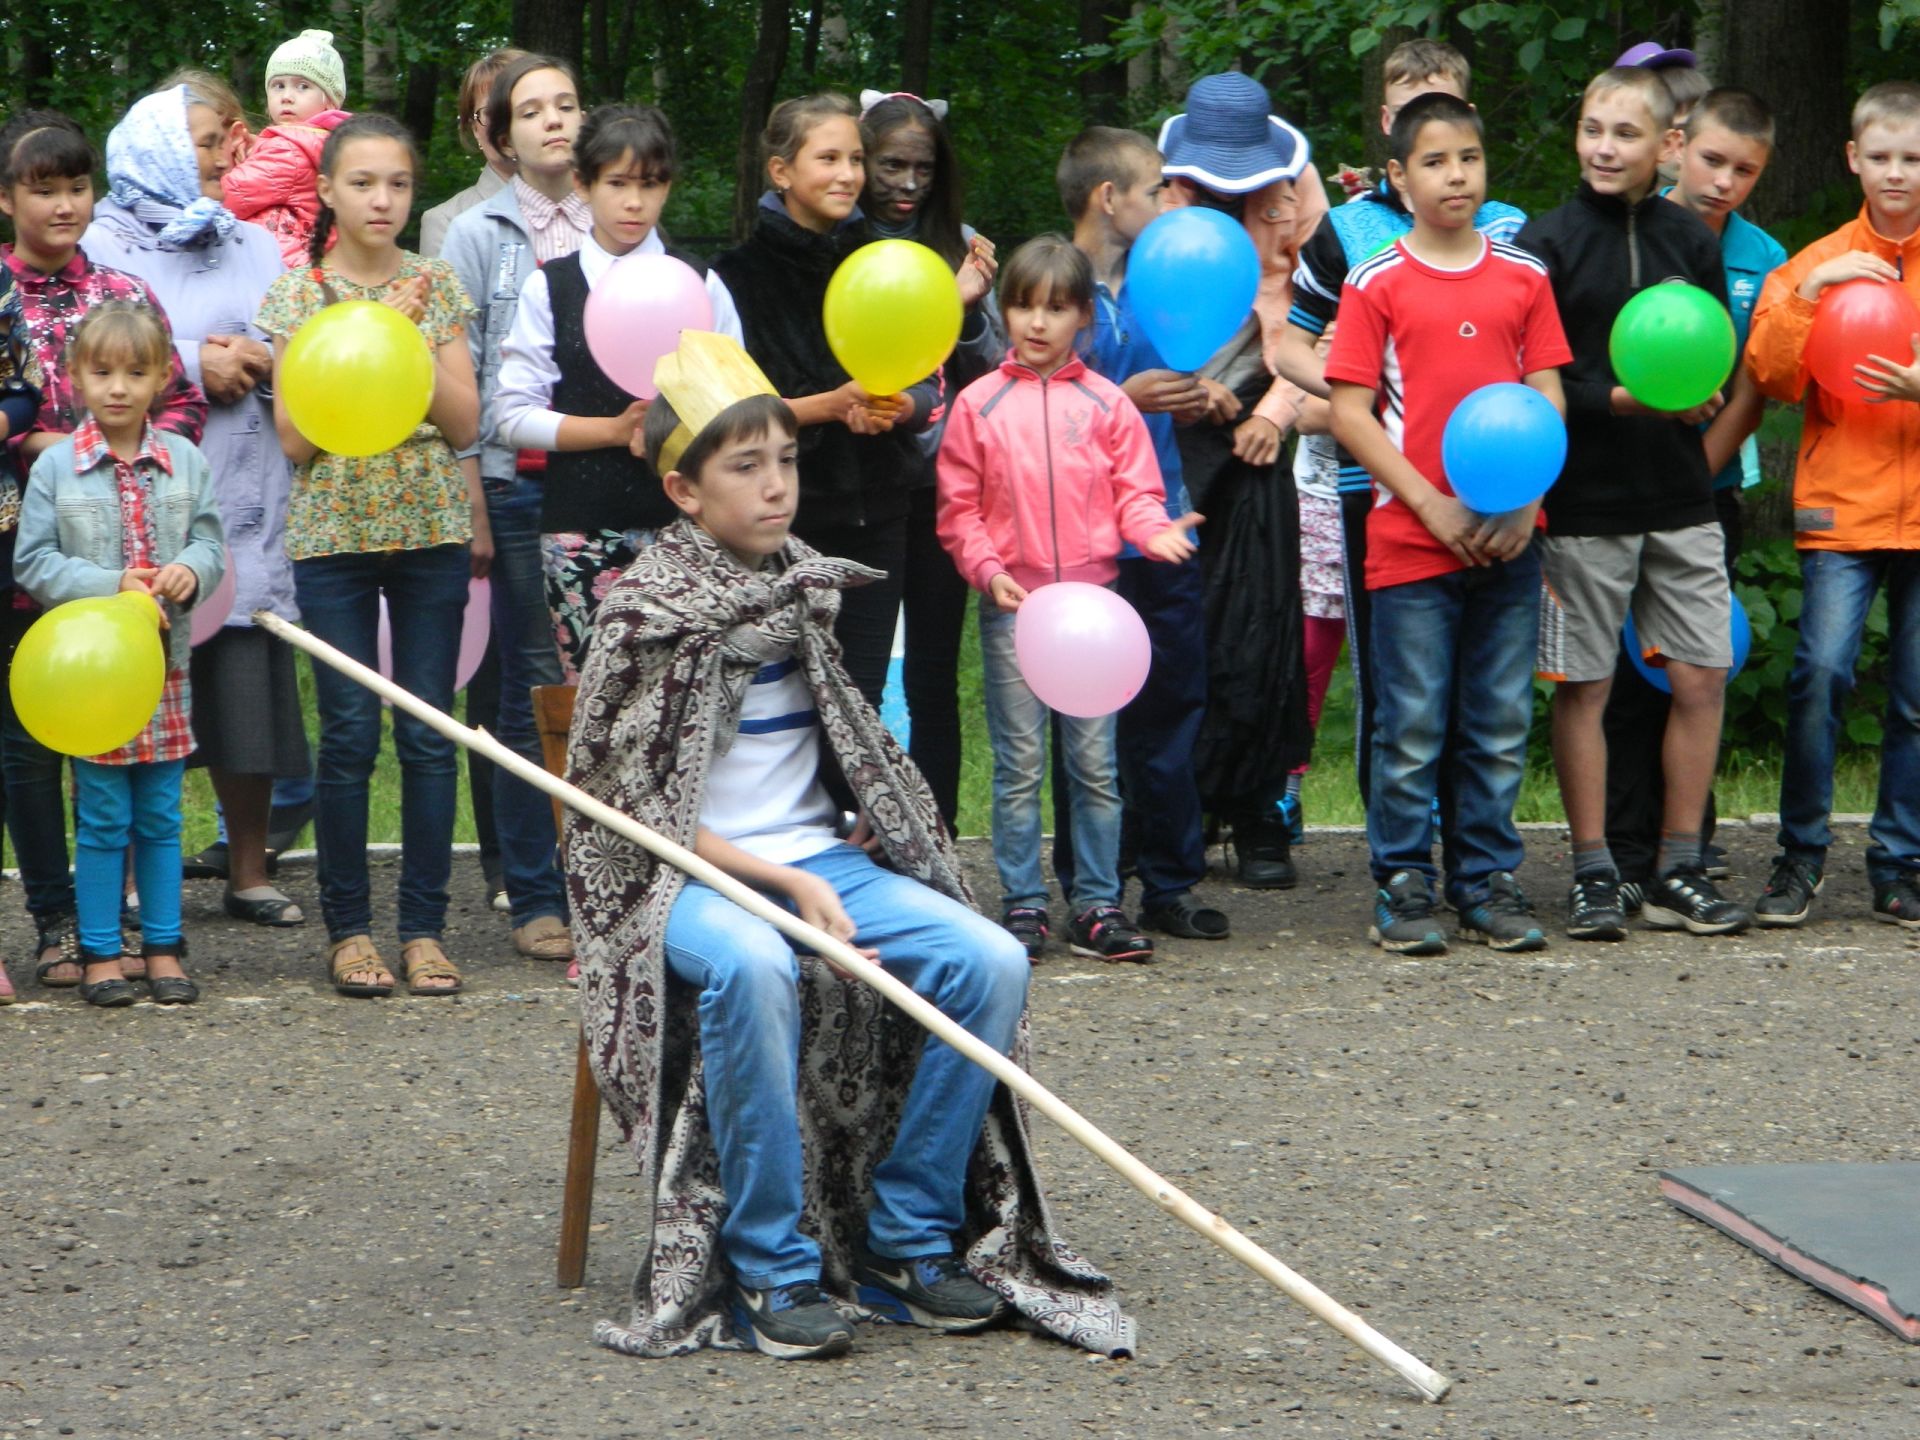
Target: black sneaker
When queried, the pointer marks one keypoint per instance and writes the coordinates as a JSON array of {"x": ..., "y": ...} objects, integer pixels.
[
  {"x": 1263, "y": 857},
  {"x": 1899, "y": 903},
  {"x": 1594, "y": 911},
  {"x": 1633, "y": 894},
  {"x": 1028, "y": 925},
  {"x": 1686, "y": 899},
  {"x": 1187, "y": 919},
  {"x": 934, "y": 1290},
  {"x": 1788, "y": 895},
  {"x": 1716, "y": 862},
  {"x": 1104, "y": 933},
  {"x": 791, "y": 1322},
  {"x": 1403, "y": 919},
  {"x": 1504, "y": 919}
]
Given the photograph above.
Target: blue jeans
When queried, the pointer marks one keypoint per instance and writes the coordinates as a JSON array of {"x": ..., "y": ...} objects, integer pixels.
[
  {"x": 748, "y": 978},
  {"x": 1837, "y": 588},
  {"x": 1017, "y": 726},
  {"x": 116, "y": 804},
  {"x": 1453, "y": 693},
  {"x": 339, "y": 599},
  {"x": 523, "y": 641},
  {"x": 36, "y": 801}
]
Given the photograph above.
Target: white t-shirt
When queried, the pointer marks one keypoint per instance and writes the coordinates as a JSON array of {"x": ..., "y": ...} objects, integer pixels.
[{"x": 764, "y": 794}]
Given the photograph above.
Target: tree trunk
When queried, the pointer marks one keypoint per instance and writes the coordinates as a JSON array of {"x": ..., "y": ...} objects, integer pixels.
[
  {"x": 623, "y": 49},
  {"x": 1804, "y": 79},
  {"x": 1103, "y": 89},
  {"x": 421, "y": 107},
  {"x": 599, "y": 51},
  {"x": 756, "y": 100},
  {"x": 810, "y": 46},
  {"x": 916, "y": 45},
  {"x": 551, "y": 27},
  {"x": 380, "y": 55}
]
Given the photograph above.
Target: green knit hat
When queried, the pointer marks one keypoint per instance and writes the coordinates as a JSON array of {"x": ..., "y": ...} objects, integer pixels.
[{"x": 310, "y": 55}]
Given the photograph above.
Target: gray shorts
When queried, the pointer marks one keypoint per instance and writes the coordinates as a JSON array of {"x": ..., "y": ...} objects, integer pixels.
[{"x": 1674, "y": 580}]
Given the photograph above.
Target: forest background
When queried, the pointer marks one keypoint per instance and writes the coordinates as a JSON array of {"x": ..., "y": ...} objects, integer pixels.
[{"x": 1022, "y": 76}]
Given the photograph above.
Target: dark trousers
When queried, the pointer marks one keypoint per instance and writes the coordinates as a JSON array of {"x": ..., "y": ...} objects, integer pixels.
[
  {"x": 1161, "y": 840},
  {"x": 1636, "y": 728},
  {"x": 935, "y": 601},
  {"x": 1354, "y": 507},
  {"x": 36, "y": 803},
  {"x": 868, "y": 613},
  {"x": 483, "y": 710}
]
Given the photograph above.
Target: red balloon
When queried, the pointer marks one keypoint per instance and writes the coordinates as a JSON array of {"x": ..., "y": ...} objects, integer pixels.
[{"x": 1854, "y": 320}]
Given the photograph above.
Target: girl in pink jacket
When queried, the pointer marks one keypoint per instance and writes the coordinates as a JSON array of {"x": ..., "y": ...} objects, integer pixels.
[
  {"x": 1045, "y": 470},
  {"x": 274, "y": 184}
]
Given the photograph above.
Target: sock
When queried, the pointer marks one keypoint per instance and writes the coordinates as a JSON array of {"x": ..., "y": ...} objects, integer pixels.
[
  {"x": 1678, "y": 851},
  {"x": 1592, "y": 857}
]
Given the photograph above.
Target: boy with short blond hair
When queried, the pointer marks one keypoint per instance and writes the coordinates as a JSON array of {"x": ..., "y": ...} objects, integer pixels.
[
  {"x": 1633, "y": 525},
  {"x": 1856, "y": 519}
]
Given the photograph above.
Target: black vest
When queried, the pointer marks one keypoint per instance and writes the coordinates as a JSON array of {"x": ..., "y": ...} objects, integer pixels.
[{"x": 592, "y": 490}]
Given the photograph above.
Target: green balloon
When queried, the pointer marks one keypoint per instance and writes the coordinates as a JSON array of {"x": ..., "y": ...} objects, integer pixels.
[{"x": 1672, "y": 346}]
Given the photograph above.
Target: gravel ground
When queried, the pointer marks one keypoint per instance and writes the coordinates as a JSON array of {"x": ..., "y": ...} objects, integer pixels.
[{"x": 281, "y": 1213}]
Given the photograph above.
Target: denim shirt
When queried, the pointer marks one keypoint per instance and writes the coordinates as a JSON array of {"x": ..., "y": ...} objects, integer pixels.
[
  {"x": 491, "y": 251},
  {"x": 71, "y": 547}
]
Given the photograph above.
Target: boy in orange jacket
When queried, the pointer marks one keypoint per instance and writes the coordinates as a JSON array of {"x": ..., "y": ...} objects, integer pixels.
[{"x": 1856, "y": 520}]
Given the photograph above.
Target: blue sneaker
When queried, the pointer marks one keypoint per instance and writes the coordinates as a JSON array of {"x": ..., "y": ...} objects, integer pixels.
[
  {"x": 1403, "y": 919},
  {"x": 1503, "y": 919},
  {"x": 791, "y": 1322},
  {"x": 932, "y": 1290},
  {"x": 1290, "y": 811}
]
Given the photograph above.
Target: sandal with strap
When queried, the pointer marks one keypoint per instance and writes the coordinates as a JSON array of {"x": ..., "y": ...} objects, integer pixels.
[
  {"x": 545, "y": 937},
  {"x": 423, "y": 959},
  {"x": 60, "y": 936},
  {"x": 169, "y": 989},
  {"x": 111, "y": 993},
  {"x": 355, "y": 955}
]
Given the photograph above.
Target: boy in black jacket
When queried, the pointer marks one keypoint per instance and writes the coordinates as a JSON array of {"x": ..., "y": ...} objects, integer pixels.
[{"x": 1631, "y": 521}]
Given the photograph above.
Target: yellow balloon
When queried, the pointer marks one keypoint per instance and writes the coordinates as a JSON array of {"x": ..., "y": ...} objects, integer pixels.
[
  {"x": 892, "y": 314},
  {"x": 357, "y": 378},
  {"x": 87, "y": 675}
]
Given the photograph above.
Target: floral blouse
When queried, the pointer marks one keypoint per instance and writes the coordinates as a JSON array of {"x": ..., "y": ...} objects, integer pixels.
[{"x": 408, "y": 498}]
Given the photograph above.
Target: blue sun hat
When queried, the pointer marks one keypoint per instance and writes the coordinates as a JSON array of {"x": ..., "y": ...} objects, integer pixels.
[{"x": 1229, "y": 140}]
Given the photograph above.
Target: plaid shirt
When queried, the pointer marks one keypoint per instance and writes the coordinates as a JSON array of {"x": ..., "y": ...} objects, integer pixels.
[
  {"x": 169, "y": 735},
  {"x": 52, "y": 305}
]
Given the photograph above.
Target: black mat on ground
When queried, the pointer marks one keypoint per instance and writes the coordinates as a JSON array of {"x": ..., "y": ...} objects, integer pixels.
[{"x": 1851, "y": 1230}]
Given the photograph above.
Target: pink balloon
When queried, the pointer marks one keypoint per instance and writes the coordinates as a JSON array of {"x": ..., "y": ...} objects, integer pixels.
[
  {"x": 476, "y": 624},
  {"x": 210, "y": 614},
  {"x": 1081, "y": 648},
  {"x": 636, "y": 313}
]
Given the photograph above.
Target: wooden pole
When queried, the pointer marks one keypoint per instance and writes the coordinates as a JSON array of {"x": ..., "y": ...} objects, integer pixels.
[{"x": 1428, "y": 1381}]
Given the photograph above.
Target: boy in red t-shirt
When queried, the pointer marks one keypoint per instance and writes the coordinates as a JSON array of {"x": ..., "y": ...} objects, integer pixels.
[{"x": 1455, "y": 595}]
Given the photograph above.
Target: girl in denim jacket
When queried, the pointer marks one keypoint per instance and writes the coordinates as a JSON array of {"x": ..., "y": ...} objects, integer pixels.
[{"x": 119, "y": 505}]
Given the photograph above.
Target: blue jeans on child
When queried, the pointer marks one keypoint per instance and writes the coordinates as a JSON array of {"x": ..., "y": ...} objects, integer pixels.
[
  {"x": 1837, "y": 589},
  {"x": 339, "y": 598},
  {"x": 115, "y": 805},
  {"x": 1017, "y": 726},
  {"x": 747, "y": 976},
  {"x": 1453, "y": 688},
  {"x": 523, "y": 637}
]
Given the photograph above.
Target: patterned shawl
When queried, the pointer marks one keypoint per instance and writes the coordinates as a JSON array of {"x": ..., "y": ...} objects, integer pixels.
[
  {"x": 152, "y": 170},
  {"x": 675, "y": 644}
]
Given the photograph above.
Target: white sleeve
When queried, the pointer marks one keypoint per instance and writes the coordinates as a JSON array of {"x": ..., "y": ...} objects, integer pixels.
[
  {"x": 523, "y": 394},
  {"x": 726, "y": 319}
]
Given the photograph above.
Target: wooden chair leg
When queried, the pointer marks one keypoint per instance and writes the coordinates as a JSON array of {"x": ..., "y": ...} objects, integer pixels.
[{"x": 576, "y": 1198}]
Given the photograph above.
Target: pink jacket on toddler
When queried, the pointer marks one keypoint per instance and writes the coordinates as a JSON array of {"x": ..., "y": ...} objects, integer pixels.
[
  {"x": 275, "y": 186},
  {"x": 1043, "y": 479}
]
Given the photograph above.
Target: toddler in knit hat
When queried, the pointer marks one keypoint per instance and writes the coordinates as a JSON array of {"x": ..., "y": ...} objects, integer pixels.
[{"x": 274, "y": 185}]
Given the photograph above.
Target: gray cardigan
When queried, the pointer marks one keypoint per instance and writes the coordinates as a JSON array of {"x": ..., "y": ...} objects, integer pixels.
[
  {"x": 491, "y": 250},
  {"x": 70, "y": 545}
]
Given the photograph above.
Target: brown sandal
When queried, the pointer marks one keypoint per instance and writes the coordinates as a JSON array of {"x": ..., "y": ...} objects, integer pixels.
[
  {"x": 423, "y": 959},
  {"x": 355, "y": 955},
  {"x": 544, "y": 938}
]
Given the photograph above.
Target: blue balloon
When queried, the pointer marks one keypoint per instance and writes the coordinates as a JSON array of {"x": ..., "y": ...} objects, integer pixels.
[
  {"x": 1740, "y": 632},
  {"x": 1193, "y": 275},
  {"x": 1503, "y": 447}
]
